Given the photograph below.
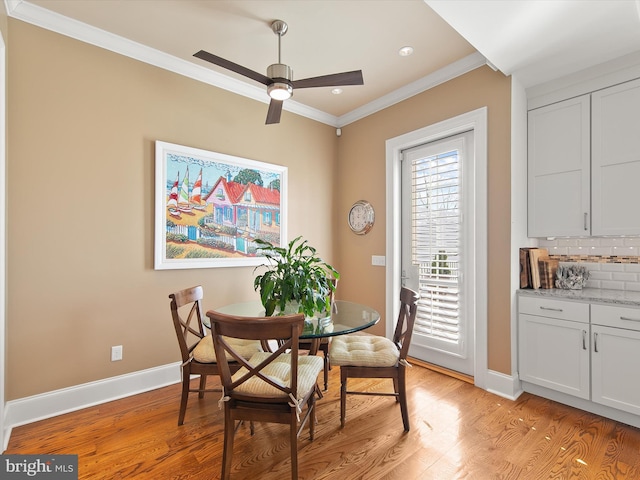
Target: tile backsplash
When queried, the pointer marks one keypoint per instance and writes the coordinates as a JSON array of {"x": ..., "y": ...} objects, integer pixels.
[{"x": 613, "y": 262}]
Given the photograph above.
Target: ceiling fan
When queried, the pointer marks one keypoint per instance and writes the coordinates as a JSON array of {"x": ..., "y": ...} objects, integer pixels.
[{"x": 279, "y": 78}]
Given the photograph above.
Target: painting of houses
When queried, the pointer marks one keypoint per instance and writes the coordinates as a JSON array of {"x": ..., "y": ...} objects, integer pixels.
[{"x": 210, "y": 208}]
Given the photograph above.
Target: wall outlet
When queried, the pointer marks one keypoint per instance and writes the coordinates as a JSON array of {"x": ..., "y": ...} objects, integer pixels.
[
  {"x": 378, "y": 260},
  {"x": 116, "y": 353}
]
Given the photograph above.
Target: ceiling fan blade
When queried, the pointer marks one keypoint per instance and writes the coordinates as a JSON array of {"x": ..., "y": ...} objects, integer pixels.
[
  {"x": 334, "y": 80},
  {"x": 234, "y": 67},
  {"x": 275, "y": 110}
]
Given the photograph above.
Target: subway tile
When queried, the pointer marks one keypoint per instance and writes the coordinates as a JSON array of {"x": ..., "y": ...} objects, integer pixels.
[
  {"x": 611, "y": 285},
  {"x": 624, "y": 251},
  {"x": 545, "y": 243},
  {"x": 632, "y": 286},
  {"x": 567, "y": 242},
  {"x": 612, "y": 267},
  {"x": 558, "y": 251},
  {"x": 632, "y": 267},
  {"x": 632, "y": 241},
  {"x": 624, "y": 277},
  {"x": 589, "y": 242},
  {"x": 595, "y": 275},
  {"x": 593, "y": 283},
  {"x": 578, "y": 250},
  {"x": 612, "y": 242},
  {"x": 600, "y": 251}
]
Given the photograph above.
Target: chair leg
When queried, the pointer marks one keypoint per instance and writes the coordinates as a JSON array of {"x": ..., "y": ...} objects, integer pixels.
[
  {"x": 326, "y": 372},
  {"x": 402, "y": 396},
  {"x": 396, "y": 388},
  {"x": 227, "y": 452},
  {"x": 343, "y": 395},
  {"x": 293, "y": 440},
  {"x": 203, "y": 386},
  {"x": 311, "y": 405},
  {"x": 185, "y": 395}
]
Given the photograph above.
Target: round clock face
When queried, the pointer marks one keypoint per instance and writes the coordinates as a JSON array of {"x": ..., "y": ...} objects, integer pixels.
[{"x": 361, "y": 217}]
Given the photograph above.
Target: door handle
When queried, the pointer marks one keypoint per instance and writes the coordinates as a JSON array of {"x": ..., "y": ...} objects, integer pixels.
[
  {"x": 630, "y": 319},
  {"x": 584, "y": 339},
  {"x": 595, "y": 342},
  {"x": 585, "y": 222}
]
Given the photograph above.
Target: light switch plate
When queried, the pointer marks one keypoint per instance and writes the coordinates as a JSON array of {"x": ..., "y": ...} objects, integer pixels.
[{"x": 378, "y": 260}]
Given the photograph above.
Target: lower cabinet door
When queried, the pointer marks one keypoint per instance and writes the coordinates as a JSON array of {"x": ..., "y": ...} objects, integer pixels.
[
  {"x": 615, "y": 362},
  {"x": 554, "y": 353}
]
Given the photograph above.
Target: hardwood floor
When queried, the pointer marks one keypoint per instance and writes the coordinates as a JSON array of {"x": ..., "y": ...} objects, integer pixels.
[{"x": 457, "y": 432}]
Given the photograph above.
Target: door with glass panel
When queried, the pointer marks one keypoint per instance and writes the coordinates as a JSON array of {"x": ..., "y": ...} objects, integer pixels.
[{"x": 438, "y": 249}]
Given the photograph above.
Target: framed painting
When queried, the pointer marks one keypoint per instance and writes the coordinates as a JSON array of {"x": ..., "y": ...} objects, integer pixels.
[{"x": 210, "y": 208}]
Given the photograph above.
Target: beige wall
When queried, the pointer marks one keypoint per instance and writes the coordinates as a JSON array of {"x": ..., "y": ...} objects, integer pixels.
[
  {"x": 82, "y": 126},
  {"x": 361, "y": 174},
  {"x": 82, "y": 122}
]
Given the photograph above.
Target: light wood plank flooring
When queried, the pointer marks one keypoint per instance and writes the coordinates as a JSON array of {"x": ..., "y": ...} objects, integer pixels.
[{"x": 457, "y": 432}]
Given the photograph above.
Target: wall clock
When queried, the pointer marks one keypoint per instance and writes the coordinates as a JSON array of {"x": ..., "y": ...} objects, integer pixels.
[{"x": 361, "y": 217}]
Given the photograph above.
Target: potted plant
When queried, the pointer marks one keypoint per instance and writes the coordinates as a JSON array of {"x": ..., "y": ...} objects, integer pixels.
[{"x": 296, "y": 279}]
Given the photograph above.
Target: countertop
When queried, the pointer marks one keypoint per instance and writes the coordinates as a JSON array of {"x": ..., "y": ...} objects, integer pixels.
[{"x": 589, "y": 295}]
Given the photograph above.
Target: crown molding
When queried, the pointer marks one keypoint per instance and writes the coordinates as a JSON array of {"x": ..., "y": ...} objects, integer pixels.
[
  {"x": 451, "y": 71},
  {"x": 41, "y": 17}
]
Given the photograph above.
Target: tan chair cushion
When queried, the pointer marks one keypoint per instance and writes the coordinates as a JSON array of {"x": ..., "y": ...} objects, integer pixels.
[
  {"x": 309, "y": 366},
  {"x": 364, "y": 351},
  {"x": 204, "y": 352}
]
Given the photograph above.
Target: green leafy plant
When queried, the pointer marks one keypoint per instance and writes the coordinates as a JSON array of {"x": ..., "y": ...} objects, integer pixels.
[{"x": 294, "y": 275}]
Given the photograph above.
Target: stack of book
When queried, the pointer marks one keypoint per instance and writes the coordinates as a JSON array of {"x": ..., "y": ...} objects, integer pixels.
[{"x": 537, "y": 270}]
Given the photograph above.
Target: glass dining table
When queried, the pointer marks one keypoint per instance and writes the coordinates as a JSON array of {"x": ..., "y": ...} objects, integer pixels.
[{"x": 346, "y": 317}]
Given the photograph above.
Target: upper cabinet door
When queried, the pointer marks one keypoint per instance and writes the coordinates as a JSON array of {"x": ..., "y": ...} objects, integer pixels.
[
  {"x": 559, "y": 169},
  {"x": 615, "y": 176}
]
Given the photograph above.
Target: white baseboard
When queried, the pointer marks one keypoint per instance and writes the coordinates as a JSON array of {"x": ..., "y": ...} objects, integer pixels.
[
  {"x": 504, "y": 385},
  {"x": 46, "y": 405}
]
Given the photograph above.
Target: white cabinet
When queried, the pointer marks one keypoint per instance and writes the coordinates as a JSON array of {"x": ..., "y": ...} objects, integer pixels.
[
  {"x": 615, "y": 357},
  {"x": 615, "y": 160},
  {"x": 587, "y": 351},
  {"x": 554, "y": 344},
  {"x": 559, "y": 169},
  {"x": 584, "y": 164}
]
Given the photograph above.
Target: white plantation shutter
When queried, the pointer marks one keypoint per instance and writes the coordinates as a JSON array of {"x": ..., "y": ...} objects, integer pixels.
[{"x": 436, "y": 241}]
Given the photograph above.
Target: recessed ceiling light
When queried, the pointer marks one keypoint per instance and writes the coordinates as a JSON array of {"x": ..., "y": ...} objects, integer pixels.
[
  {"x": 336, "y": 91},
  {"x": 405, "y": 51}
]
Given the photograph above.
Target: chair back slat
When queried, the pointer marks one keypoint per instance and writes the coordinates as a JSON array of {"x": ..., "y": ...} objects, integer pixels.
[
  {"x": 188, "y": 327},
  {"x": 406, "y": 320}
]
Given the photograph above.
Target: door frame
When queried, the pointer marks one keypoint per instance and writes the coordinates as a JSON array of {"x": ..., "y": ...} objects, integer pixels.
[
  {"x": 4, "y": 435},
  {"x": 475, "y": 120}
]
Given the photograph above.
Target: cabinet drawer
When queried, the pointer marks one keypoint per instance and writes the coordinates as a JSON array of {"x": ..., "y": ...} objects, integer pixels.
[
  {"x": 542, "y": 307},
  {"x": 618, "y": 317}
]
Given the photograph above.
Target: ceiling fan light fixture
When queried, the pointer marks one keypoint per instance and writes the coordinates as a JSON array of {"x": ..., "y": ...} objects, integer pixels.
[
  {"x": 280, "y": 91},
  {"x": 279, "y": 79}
]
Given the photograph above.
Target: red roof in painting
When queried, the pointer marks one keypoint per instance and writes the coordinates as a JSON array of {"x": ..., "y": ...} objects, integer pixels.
[
  {"x": 264, "y": 195},
  {"x": 235, "y": 190}
]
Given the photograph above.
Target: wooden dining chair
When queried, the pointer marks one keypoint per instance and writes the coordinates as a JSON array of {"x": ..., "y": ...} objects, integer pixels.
[
  {"x": 371, "y": 356},
  {"x": 196, "y": 348},
  {"x": 270, "y": 387}
]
